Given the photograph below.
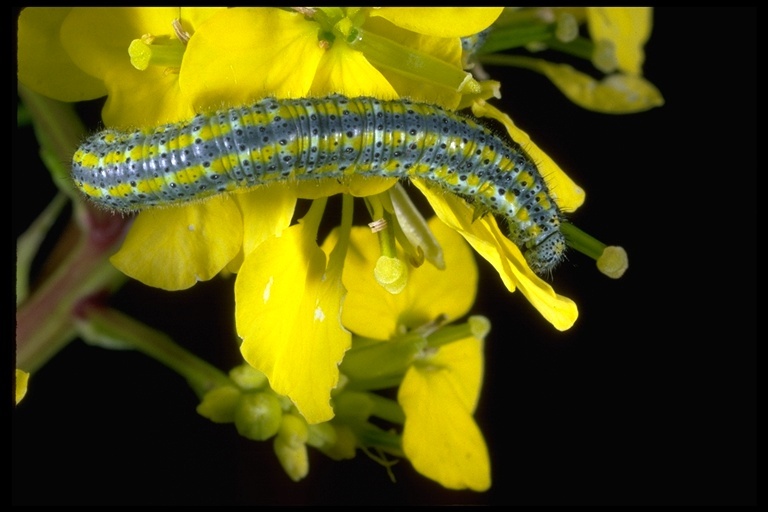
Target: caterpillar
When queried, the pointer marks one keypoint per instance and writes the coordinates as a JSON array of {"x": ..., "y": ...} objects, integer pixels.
[{"x": 324, "y": 138}]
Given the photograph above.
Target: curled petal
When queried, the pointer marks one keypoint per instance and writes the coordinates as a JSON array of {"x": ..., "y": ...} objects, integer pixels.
[
  {"x": 566, "y": 193},
  {"x": 487, "y": 239},
  {"x": 614, "y": 94},
  {"x": 196, "y": 242},
  {"x": 627, "y": 28}
]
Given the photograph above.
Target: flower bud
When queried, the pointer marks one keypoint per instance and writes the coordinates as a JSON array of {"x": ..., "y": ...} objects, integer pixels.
[
  {"x": 291, "y": 448},
  {"x": 258, "y": 416},
  {"x": 219, "y": 404}
]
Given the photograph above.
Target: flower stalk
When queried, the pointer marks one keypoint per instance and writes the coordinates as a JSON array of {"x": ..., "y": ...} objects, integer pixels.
[
  {"x": 110, "y": 328},
  {"x": 79, "y": 265}
]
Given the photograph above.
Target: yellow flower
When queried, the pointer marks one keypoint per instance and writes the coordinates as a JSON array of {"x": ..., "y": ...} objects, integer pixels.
[
  {"x": 440, "y": 437},
  {"x": 288, "y": 300},
  {"x": 372, "y": 312},
  {"x": 441, "y": 386}
]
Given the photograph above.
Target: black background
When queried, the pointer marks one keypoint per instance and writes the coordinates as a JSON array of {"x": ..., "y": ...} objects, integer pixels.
[{"x": 649, "y": 399}]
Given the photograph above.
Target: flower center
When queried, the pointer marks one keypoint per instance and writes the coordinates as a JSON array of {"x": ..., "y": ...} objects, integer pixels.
[
  {"x": 338, "y": 24},
  {"x": 164, "y": 51}
]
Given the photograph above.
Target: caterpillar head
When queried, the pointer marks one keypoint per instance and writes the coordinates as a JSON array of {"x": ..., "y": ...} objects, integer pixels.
[{"x": 547, "y": 254}]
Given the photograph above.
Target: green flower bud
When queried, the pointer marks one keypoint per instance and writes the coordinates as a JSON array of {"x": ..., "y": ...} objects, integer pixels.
[
  {"x": 248, "y": 377},
  {"x": 219, "y": 404},
  {"x": 291, "y": 448},
  {"x": 258, "y": 416}
]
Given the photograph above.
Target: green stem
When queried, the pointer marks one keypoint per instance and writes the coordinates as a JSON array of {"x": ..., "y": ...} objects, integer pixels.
[
  {"x": 580, "y": 47},
  {"x": 582, "y": 242},
  {"x": 29, "y": 243},
  {"x": 339, "y": 253},
  {"x": 387, "y": 237},
  {"x": 371, "y": 436},
  {"x": 106, "y": 326},
  {"x": 448, "y": 334},
  {"x": 44, "y": 322},
  {"x": 511, "y": 60},
  {"x": 510, "y": 37},
  {"x": 315, "y": 214},
  {"x": 387, "y": 409},
  {"x": 476, "y": 326},
  {"x": 79, "y": 261},
  {"x": 380, "y": 364},
  {"x": 57, "y": 126},
  {"x": 412, "y": 231}
]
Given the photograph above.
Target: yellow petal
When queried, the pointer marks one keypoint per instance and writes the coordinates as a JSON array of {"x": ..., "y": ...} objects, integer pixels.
[
  {"x": 485, "y": 237},
  {"x": 287, "y": 312},
  {"x": 173, "y": 248},
  {"x": 345, "y": 71},
  {"x": 267, "y": 211},
  {"x": 22, "y": 379},
  {"x": 566, "y": 193},
  {"x": 371, "y": 311},
  {"x": 245, "y": 54},
  {"x": 143, "y": 98},
  {"x": 440, "y": 21},
  {"x": 627, "y": 28},
  {"x": 614, "y": 94},
  {"x": 44, "y": 65},
  {"x": 440, "y": 436}
]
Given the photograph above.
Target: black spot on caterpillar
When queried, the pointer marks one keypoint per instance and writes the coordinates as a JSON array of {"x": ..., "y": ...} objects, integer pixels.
[{"x": 324, "y": 138}]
